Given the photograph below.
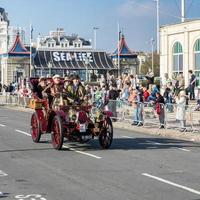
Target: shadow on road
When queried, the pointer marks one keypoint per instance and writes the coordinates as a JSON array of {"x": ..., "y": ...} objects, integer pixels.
[
  {"x": 149, "y": 143},
  {"x": 118, "y": 144}
]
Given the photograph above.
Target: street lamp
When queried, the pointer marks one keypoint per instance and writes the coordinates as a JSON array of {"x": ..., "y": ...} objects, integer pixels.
[
  {"x": 86, "y": 64},
  {"x": 95, "y": 36},
  {"x": 158, "y": 24},
  {"x": 50, "y": 66},
  {"x": 152, "y": 52}
]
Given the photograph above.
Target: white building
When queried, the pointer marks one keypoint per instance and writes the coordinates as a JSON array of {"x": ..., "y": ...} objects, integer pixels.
[
  {"x": 180, "y": 49},
  {"x": 4, "y": 23},
  {"x": 58, "y": 40}
]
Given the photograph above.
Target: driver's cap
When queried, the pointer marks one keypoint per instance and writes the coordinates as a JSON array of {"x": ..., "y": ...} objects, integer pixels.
[{"x": 56, "y": 76}]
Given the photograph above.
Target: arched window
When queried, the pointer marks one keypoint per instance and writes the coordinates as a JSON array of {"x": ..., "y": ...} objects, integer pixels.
[
  {"x": 197, "y": 60},
  {"x": 177, "y": 58}
]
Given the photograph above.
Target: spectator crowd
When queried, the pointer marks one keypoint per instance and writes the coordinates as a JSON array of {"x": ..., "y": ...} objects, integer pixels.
[{"x": 135, "y": 92}]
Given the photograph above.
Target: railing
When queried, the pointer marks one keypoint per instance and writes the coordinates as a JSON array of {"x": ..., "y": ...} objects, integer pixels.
[
  {"x": 14, "y": 100},
  {"x": 146, "y": 114},
  {"x": 139, "y": 113}
]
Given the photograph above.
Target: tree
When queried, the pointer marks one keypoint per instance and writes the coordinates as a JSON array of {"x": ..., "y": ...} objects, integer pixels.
[{"x": 148, "y": 64}]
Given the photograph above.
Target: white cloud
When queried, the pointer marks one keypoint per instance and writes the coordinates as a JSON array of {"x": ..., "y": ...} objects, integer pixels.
[{"x": 133, "y": 8}]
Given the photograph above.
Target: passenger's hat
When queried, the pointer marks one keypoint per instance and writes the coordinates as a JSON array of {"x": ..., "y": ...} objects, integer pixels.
[
  {"x": 67, "y": 78},
  {"x": 42, "y": 78},
  {"x": 56, "y": 76},
  {"x": 75, "y": 76}
]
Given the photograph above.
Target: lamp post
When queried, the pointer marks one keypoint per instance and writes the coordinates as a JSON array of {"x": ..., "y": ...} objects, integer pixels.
[
  {"x": 95, "y": 36},
  {"x": 152, "y": 51},
  {"x": 158, "y": 24},
  {"x": 50, "y": 66},
  {"x": 86, "y": 64}
]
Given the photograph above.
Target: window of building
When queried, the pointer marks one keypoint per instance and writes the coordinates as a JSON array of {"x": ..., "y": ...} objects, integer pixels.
[
  {"x": 177, "y": 58},
  {"x": 66, "y": 45},
  {"x": 75, "y": 44},
  {"x": 62, "y": 45},
  {"x": 49, "y": 45},
  {"x": 52, "y": 44},
  {"x": 197, "y": 61}
]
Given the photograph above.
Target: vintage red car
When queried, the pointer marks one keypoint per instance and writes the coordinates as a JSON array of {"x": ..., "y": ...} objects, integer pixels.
[{"x": 78, "y": 123}]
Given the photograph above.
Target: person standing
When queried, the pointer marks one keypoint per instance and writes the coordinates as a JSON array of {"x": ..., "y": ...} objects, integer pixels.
[
  {"x": 133, "y": 81},
  {"x": 160, "y": 109},
  {"x": 180, "y": 110},
  {"x": 150, "y": 79},
  {"x": 166, "y": 80},
  {"x": 192, "y": 85},
  {"x": 113, "y": 95}
]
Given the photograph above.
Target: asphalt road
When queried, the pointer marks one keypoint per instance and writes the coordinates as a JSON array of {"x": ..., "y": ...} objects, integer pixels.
[{"x": 136, "y": 167}]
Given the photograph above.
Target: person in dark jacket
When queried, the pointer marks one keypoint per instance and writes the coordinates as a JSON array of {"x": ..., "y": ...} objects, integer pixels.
[
  {"x": 113, "y": 95},
  {"x": 160, "y": 109},
  {"x": 192, "y": 85}
]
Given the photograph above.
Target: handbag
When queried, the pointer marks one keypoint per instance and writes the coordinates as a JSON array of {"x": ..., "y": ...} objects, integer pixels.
[{"x": 158, "y": 108}]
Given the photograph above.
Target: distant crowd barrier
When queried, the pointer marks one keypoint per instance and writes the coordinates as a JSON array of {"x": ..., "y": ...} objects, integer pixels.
[{"x": 140, "y": 113}]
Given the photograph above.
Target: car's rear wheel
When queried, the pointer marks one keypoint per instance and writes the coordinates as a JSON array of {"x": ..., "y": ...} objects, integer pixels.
[
  {"x": 35, "y": 128},
  {"x": 106, "y": 134},
  {"x": 57, "y": 135}
]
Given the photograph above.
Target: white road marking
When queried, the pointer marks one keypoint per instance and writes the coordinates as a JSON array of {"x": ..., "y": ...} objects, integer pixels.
[
  {"x": 30, "y": 196},
  {"x": 25, "y": 133},
  {"x": 172, "y": 183},
  {"x": 182, "y": 149},
  {"x": 2, "y": 125},
  {"x": 2, "y": 173},
  {"x": 71, "y": 149},
  {"x": 124, "y": 136},
  {"x": 156, "y": 143},
  {"x": 81, "y": 152}
]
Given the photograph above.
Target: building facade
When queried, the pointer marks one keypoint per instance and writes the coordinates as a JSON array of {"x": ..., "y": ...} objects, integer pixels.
[
  {"x": 15, "y": 64},
  {"x": 180, "y": 49},
  {"x": 58, "y": 53},
  {"x": 128, "y": 60},
  {"x": 58, "y": 40},
  {"x": 12, "y": 34}
]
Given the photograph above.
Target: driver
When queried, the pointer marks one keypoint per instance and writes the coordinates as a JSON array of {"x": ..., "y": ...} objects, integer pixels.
[
  {"x": 75, "y": 90},
  {"x": 54, "y": 89}
]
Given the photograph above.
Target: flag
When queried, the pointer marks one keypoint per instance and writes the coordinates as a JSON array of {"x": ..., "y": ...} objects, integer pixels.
[
  {"x": 31, "y": 32},
  {"x": 120, "y": 34}
]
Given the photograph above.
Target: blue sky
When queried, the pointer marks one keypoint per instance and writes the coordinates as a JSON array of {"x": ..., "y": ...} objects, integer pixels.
[{"x": 136, "y": 17}]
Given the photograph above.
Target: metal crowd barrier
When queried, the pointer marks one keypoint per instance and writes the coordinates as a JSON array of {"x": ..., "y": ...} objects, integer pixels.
[
  {"x": 149, "y": 116},
  {"x": 14, "y": 100}
]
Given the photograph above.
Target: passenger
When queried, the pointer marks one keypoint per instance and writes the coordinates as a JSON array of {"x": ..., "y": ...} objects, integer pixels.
[
  {"x": 75, "y": 91},
  {"x": 53, "y": 90},
  {"x": 41, "y": 86},
  {"x": 67, "y": 81}
]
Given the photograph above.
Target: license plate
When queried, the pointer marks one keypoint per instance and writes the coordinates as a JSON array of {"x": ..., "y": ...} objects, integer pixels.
[{"x": 82, "y": 128}]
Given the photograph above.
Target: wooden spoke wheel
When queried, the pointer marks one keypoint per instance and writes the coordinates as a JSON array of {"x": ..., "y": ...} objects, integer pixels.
[
  {"x": 35, "y": 128},
  {"x": 106, "y": 134},
  {"x": 57, "y": 135}
]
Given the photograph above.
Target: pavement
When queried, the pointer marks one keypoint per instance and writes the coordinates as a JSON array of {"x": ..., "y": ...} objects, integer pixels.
[{"x": 136, "y": 167}]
